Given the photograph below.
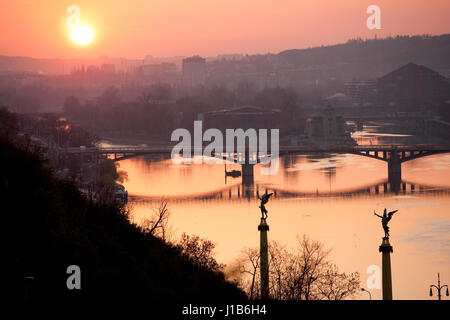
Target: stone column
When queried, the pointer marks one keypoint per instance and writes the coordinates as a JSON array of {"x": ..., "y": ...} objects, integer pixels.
[
  {"x": 386, "y": 249},
  {"x": 264, "y": 258}
]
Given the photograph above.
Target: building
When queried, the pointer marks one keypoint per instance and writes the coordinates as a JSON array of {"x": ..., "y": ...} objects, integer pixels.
[
  {"x": 413, "y": 87},
  {"x": 108, "y": 69},
  {"x": 361, "y": 92},
  {"x": 339, "y": 100},
  {"x": 157, "y": 69},
  {"x": 326, "y": 125},
  {"x": 243, "y": 117},
  {"x": 92, "y": 70},
  {"x": 194, "y": 71}
]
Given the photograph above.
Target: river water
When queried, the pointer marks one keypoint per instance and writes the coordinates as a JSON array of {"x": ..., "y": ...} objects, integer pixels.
[{"x": 329, "y": 197}]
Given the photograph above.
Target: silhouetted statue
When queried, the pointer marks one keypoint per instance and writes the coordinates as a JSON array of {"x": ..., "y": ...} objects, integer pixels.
[
  {"x": 264, "y": 199},
  {"x": 385, "y": 218}
]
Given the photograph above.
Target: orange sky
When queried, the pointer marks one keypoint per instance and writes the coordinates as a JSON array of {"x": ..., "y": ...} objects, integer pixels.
[{"x": 135, "y": 28}]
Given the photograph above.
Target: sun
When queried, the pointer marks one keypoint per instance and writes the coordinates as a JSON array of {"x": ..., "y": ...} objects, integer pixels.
[{"x": 82, "y": 35}]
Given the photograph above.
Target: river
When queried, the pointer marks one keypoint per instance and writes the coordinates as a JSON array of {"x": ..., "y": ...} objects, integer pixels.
[{"x": 329, "y": 197}]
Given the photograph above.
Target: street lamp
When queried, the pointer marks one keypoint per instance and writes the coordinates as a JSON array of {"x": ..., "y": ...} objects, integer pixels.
[
  {"x": 370, "y": 295},
  {"x": 438, "y": 288}
]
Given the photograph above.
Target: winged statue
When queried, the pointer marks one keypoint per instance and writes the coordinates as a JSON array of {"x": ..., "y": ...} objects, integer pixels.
[
  {"x": 264, "y": 199},
  {"x": 385, "y": 218}
]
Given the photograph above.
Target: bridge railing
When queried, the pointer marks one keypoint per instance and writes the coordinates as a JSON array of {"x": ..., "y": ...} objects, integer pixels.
[
  {"x": 305, "y": 148},
  {"x": 328, "y": 148}
]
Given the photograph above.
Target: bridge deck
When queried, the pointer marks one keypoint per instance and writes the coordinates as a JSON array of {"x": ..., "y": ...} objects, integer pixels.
[{"x": 282, "y": 149}]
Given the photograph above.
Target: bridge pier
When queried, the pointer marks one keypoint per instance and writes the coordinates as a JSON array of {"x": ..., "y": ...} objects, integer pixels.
[
  {"x": 247, "y": 174},
  {"x": 394, "y": 174}
]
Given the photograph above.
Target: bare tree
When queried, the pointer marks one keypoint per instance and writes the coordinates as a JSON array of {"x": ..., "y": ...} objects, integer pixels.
[
  {"x": 277, "y": 269},
  {"x": 157, "y": 224},
  {"x": 250, "y": 266},
  {"x": 313, "y": 259},
  {"x": 333, "y": 285},
  {"x": 300, "y": 274},
  {"x": 293, "y": 277},
  {"x": 300, "y": 269}
]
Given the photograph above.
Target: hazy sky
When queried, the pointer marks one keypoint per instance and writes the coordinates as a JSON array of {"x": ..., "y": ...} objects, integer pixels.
[{"x": 135, "y": 28}]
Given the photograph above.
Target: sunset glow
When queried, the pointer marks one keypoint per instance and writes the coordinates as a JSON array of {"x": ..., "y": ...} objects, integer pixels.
[
  {"x": 82, "y": 35},
  {"x": 175, "y": 27}
]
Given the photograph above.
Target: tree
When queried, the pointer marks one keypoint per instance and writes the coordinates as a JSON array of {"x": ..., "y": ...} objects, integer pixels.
[
  {"x": 303, "y": 273},
  {"x": 283, "y": 98},
  {"x": 9, "y": 126},
  {"x": 161, "y": 92},
  {"x": 313, "y": 259},
  {"x": 245, "y": 92},
  {"x": 333, "y": 285},
  {"x": 71, "y": 105},
  {"x": 106, "y": 180},
  {"x": 277, "y": 268},
  {"x": 251, "y": 256},
  {"x": 78, "y": 136},
  {"x": 219, "y": 96},
  {"x": 300, "y": 269},
  {"x": 157, "y": 224},
  {"x": 109, "y": 98},
  {"x": 199, "y": 251}
]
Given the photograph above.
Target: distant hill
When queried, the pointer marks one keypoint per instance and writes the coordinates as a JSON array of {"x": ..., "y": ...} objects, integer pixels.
[
  {"x": 354, "y": 59},
  {"x": 376, "y": 57}
]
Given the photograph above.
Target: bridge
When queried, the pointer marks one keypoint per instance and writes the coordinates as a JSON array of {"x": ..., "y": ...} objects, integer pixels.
[
  {"x": 241, "y": 192},
  {"x": 394, "y": 155}
]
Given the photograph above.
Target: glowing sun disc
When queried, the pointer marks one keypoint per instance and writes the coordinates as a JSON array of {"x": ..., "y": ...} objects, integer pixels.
[{"x": 82, "y": 35}]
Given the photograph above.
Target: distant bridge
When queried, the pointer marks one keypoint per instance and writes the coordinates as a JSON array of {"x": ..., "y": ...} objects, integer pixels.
[
  {"x": 394, "y": 155},
  {"x": 242, "y": 192},
  {"x": 381, "y": 152}
]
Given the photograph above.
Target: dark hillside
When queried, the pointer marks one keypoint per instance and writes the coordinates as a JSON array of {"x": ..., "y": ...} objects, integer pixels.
[{"x": 47, "y": 226}]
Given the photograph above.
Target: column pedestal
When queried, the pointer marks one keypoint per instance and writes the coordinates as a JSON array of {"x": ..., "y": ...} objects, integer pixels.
[
  {"x": 386, "y": 249},
  {"x": 264, "y": 258}
]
